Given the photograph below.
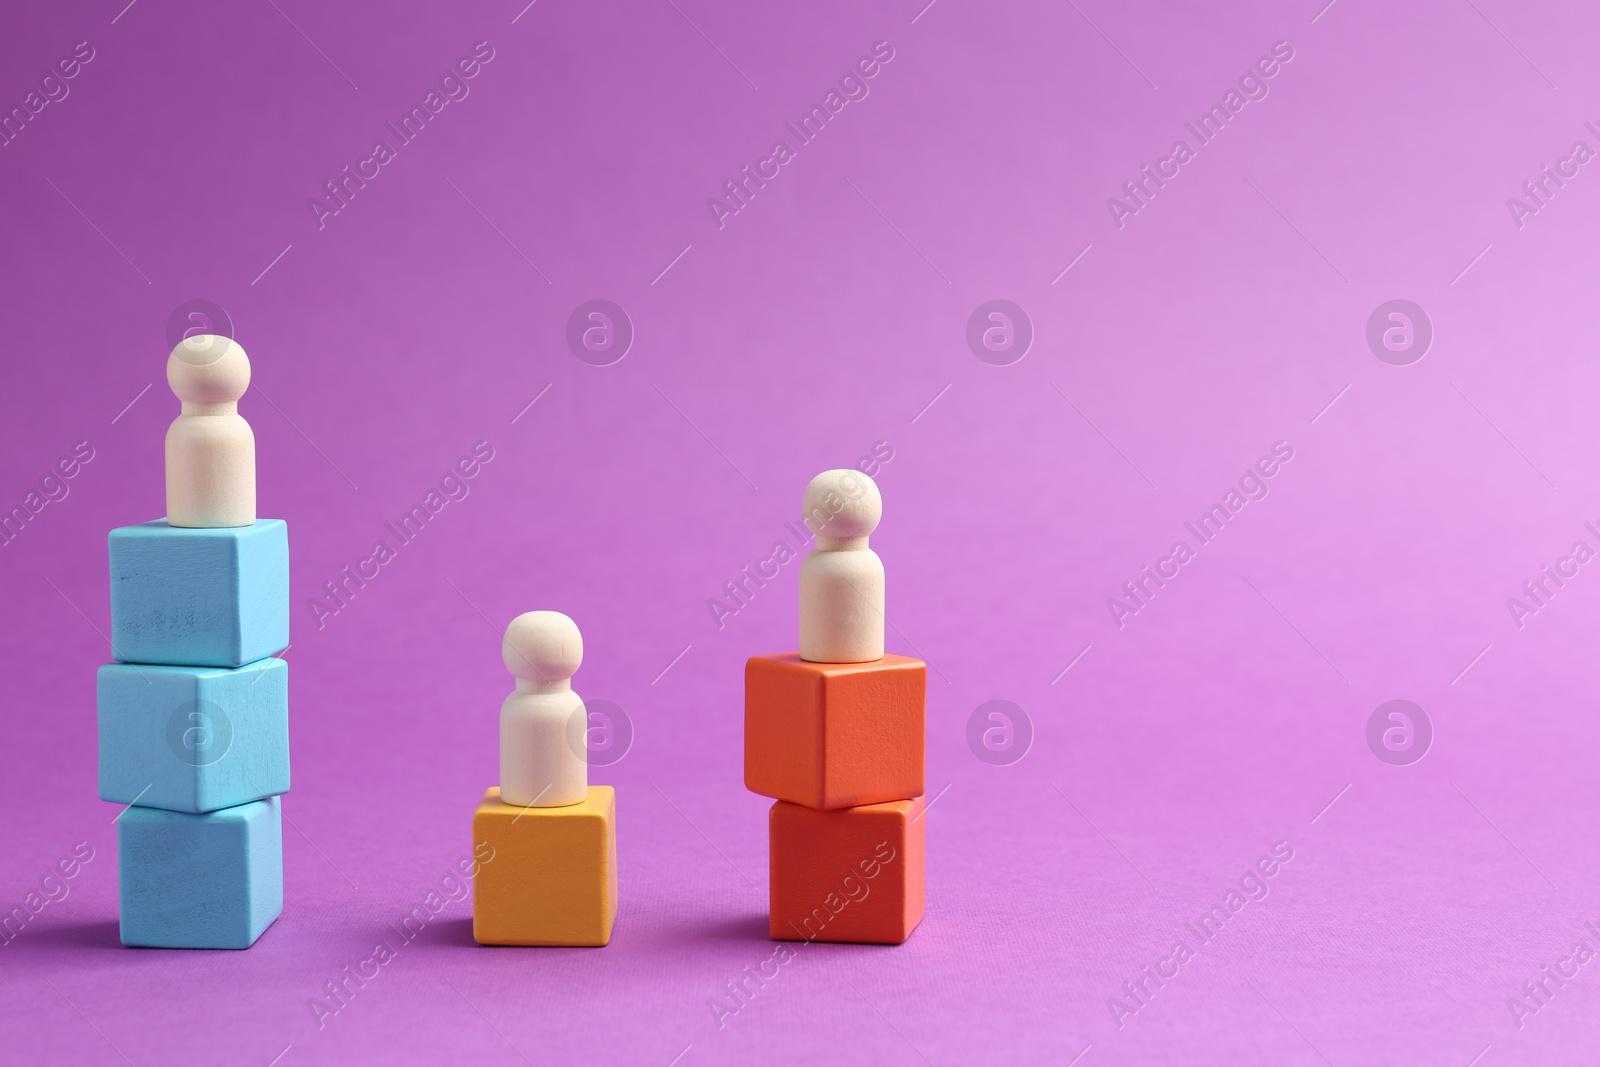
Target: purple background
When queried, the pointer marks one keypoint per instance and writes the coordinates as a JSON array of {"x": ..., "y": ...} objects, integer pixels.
[{"x": 824, "y": 317}]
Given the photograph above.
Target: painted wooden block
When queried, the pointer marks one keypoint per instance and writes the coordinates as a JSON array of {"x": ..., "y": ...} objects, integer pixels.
[
  {"x": 199, "y": 597},
  {"x": 193, "y": 739},
  {"x": 551, "y": 873},
  {"x": 852, "y": 875},
  {"x": 199, "y": 881},
  {"x": 834, "y": 735}
]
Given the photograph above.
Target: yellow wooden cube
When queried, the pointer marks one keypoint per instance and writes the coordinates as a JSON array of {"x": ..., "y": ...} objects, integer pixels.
[{"x": 552, "y": 876}]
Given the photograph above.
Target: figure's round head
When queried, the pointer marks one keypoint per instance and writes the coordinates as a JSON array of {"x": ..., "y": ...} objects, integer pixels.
[
  {"x": 208, "y": 369},
  {"x": 542, "y": 646},
  {"x": 842, "y": 504}
]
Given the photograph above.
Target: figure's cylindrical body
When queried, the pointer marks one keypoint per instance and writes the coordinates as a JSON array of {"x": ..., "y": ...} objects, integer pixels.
[
  {"x": 541, "y": 765},
  {"x": 211, "y": 470},
  {"x": 841, "y": 605}
]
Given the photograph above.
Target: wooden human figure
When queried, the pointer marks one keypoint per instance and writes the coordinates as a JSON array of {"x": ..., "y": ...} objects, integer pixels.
[
  {"x": 211, "y": 451},
  {"x": 841, "y": 579},
  {"x": 541, "y": 764}
]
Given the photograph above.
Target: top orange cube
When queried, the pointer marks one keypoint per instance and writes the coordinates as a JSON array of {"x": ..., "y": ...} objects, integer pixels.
[{"x": 834, "y": 735}]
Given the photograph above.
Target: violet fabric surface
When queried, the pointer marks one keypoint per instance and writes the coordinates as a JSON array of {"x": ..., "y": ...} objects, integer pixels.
[{"x": 1207, "y": 343}]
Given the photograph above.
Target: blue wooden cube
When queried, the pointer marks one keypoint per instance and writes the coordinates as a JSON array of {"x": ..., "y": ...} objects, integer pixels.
[
  {"x": 199, "y": 881},
  {"x": 193, "y": 739},
  {"x": 209, "y": 598}
]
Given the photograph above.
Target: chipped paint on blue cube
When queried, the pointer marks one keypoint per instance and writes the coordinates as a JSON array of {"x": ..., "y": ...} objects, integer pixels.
[
  {"x": 199, "y": 881},
  {"x": 193, "y": 739},
  {"x": 211, "y": 598}
]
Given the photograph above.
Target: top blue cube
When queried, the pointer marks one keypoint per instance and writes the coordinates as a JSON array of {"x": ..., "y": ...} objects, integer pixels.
[{"x": 199, "y": 598}]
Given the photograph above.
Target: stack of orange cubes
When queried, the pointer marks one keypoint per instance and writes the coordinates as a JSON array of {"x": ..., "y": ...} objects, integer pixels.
[{"x": 839, "y": 746}]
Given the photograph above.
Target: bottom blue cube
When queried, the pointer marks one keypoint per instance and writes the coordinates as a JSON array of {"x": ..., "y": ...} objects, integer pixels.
[{"x": 200, "y": 881}]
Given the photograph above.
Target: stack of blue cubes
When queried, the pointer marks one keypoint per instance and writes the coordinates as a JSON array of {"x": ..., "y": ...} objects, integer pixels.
[{"x": 194, "y": 730}]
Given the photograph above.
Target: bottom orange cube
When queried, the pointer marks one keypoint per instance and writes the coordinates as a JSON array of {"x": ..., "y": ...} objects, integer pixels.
[
  {"x": 551, "y": 873},
  {"x": 847, "y": 874}
]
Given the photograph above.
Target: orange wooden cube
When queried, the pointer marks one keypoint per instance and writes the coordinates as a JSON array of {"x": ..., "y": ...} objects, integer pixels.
[
  {"x": 834, "y": 735},
  {"x": 851, "y": 874},
  {"x": 551, "y": 873}
]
